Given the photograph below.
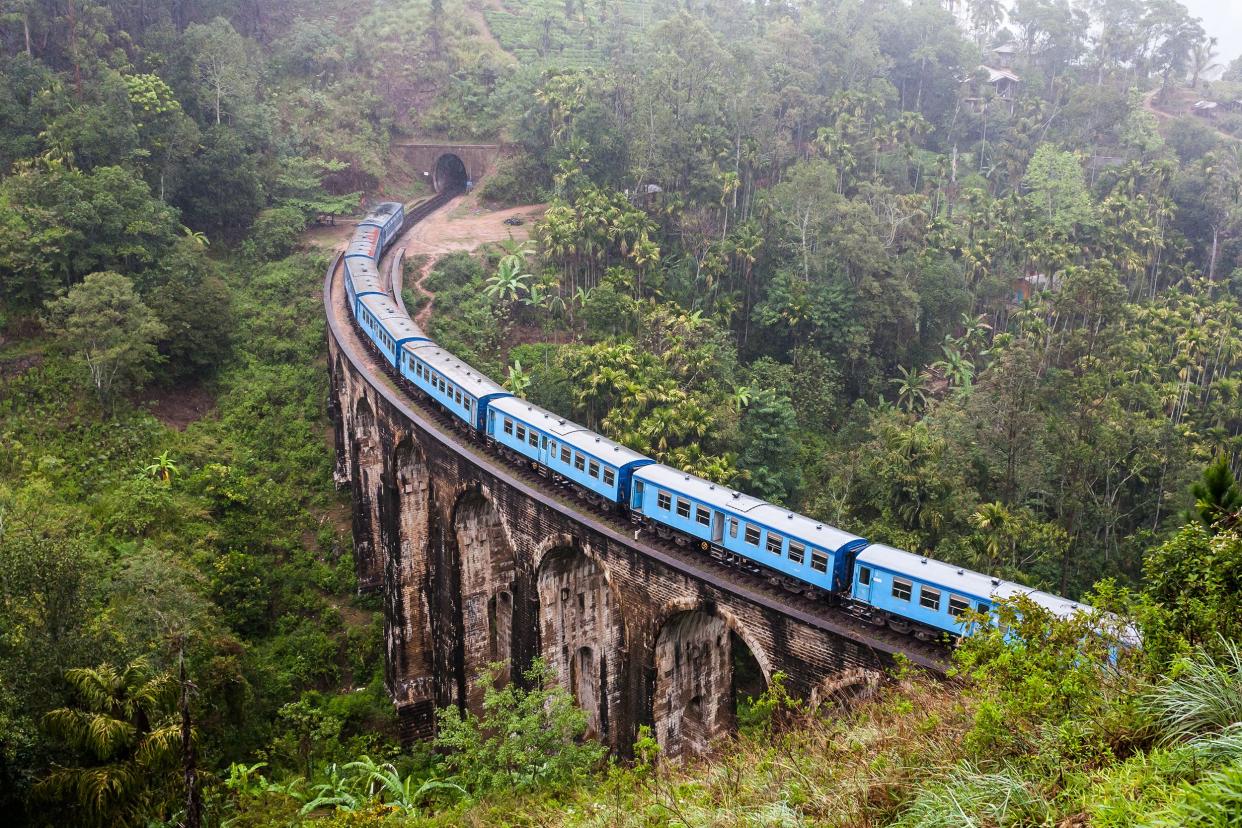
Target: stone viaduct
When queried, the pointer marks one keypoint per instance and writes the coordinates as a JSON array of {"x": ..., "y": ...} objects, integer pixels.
[{"x": 479, "y": 561}]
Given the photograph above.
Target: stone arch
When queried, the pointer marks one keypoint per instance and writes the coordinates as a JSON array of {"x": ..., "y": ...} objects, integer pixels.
[
  {"x": 695, "y": 694},
  {"x": 582, "y": 632},
  {"x": 450, "y": 173},
  {"x": 408, "y": 592},
  {"x": 366, "y": 474},
  {"x": 488, "y": 587}
]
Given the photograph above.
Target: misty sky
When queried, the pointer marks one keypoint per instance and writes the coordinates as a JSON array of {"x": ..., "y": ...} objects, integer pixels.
[{"x": 1223, "y": 20}]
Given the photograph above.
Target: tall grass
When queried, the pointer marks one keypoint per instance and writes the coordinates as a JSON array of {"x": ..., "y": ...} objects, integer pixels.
[
  {"x": 969, "y": 798},
  {"x": 1204, "y": 696},
  {"x": 1215, "y": 802}
]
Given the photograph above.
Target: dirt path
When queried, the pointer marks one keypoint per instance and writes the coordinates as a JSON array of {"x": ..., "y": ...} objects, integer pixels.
[
  {"x": 1149, "y": 104},
  {"x": 461, "y": 225}
]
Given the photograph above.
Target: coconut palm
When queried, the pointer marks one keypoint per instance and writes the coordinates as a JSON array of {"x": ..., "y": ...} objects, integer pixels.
[{"x": 994, "y": 521}]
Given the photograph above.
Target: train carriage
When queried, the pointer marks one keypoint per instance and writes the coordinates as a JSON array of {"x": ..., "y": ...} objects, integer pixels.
[
  {"x": 589, "y": 460},
  {"x": 386, "y": 326},
  {"x": 901, "y": 587},
  {"x": 364, "y": 244},
  {"x": 735, "y": 523},
  {"x": 460, "y": 389},
  {"x": 387, "y": 218},
  {"x": 361, "y": 279}
]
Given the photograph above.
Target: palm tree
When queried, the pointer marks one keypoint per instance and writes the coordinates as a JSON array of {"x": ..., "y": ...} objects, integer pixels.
[
  {"x": 1202, "y": 58},
  {"x": 993, "y": 520},
  {"x": 911, "y": 389},
  {"x": 131, "y": 742},
  {"x": 162, "y": 468},
  {"x": 956, "y": 368}
]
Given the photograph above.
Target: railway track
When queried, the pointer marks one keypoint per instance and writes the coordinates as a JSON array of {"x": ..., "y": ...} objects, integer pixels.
[{"x": 751, "y": 586}]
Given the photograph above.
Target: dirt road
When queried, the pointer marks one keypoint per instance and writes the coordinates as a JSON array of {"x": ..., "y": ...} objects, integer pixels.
[{"x": 462, "y": 225}]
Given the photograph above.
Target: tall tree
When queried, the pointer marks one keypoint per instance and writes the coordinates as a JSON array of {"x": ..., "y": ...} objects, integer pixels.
[{"x": 105, "y": 326}]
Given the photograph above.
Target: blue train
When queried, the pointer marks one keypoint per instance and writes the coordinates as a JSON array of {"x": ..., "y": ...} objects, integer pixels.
[{"x": 909, "y": 593}]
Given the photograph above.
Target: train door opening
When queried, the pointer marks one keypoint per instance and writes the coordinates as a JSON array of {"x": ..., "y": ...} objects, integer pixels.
[{"x": 717, "y": 528}]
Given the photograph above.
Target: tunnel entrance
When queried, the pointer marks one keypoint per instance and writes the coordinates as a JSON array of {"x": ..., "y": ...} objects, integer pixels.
[{"x": 450, "y": 174}]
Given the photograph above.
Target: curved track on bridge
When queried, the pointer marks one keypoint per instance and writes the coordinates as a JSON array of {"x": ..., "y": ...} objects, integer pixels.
[{"x": 686, "y": 560}]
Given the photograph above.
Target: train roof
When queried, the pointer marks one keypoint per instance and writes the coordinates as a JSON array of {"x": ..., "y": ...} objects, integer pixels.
[
  {"x": 398, "y": 324},
  {"x": 362, "y": 267},
  {"x": 363, "y": 241},
  {"x": 568, "y": 432},
  {"x": 960, "y": 579},
  {"x": 386, "y": 208},
  {"x": 771, "y": 516},
  {"x": 368, "y": 284},
  {"x": 454, "y": 370}
]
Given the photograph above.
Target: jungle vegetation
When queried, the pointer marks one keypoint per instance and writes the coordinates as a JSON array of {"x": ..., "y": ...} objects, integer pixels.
[{"x": 808, "y": 248}]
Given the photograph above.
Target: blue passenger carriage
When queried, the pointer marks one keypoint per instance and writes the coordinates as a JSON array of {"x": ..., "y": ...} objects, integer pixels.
[
  {"x": 361, "y": 279},
  {"x": 365, "y": 243},
  {"x": 459, "y": 389},
  {"x": 386, "y": 326},
  {"x": 387, "y": 218},
  {"x": 913, "y": 593},
  {"x": 588, "y": 460},
  {"x": 740, "y": 526}
]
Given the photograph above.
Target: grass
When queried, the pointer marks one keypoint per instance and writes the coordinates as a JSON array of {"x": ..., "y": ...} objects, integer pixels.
[{"x": 1205, "y": 697}]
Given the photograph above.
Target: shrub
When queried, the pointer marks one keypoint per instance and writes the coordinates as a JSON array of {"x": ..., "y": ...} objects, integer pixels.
[
  {"x": 526, "y": 738},
  {"x": 517, "y": 180}
]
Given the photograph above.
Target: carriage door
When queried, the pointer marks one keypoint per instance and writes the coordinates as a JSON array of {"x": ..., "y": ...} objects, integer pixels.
[
  {"x": 862, "y": 590},
  {"x": 717, "y": 528}
]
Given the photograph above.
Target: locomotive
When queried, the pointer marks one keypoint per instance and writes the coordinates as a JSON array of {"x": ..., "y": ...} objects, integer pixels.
[{"x": 909, "y": 593}]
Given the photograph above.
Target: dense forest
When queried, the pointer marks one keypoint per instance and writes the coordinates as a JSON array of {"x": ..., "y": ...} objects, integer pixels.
[{"x": 960, "y": 277}]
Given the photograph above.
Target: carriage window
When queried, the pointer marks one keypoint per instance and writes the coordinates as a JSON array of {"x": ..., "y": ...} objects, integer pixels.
[
  {"x": 508, "y": 426},
  {"x": 664, "y": 501},
  {"x": 984, "y": 608},
  {"x": 579, "y": 462},
  {"x": 610, "y": 477},
  {"x": 864, "y": 575},
  {"x": 774, "y": 543},
  {"x": 703, "y": 516},
  {"x": 958, "y": 606},
  {"x": 752, "y": 536},
  {"x": 594, "y": 469},
  {"x": 929, "y": 598},
  {"x": 733, "y": 527},
  {"x": 521, "y": 433},
  {"x": 566, "y": 455},
  {"x": 552, "y": 449},
  {"x": 797, "y": 552},
  {"x": 819, "y": 560},
  {"x": 683, "y": 508},
  {"x": 902, "y": 589},
  {"x": 457, "y": 396},
  {"x": 533, "y": 439}
]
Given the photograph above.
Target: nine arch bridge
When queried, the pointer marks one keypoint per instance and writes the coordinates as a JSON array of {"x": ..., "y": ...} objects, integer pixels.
[{"x": 479, "y": 561}]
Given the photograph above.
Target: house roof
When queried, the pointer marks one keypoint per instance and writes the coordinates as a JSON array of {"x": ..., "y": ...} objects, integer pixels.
[{"x": 995, "y": 75}]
